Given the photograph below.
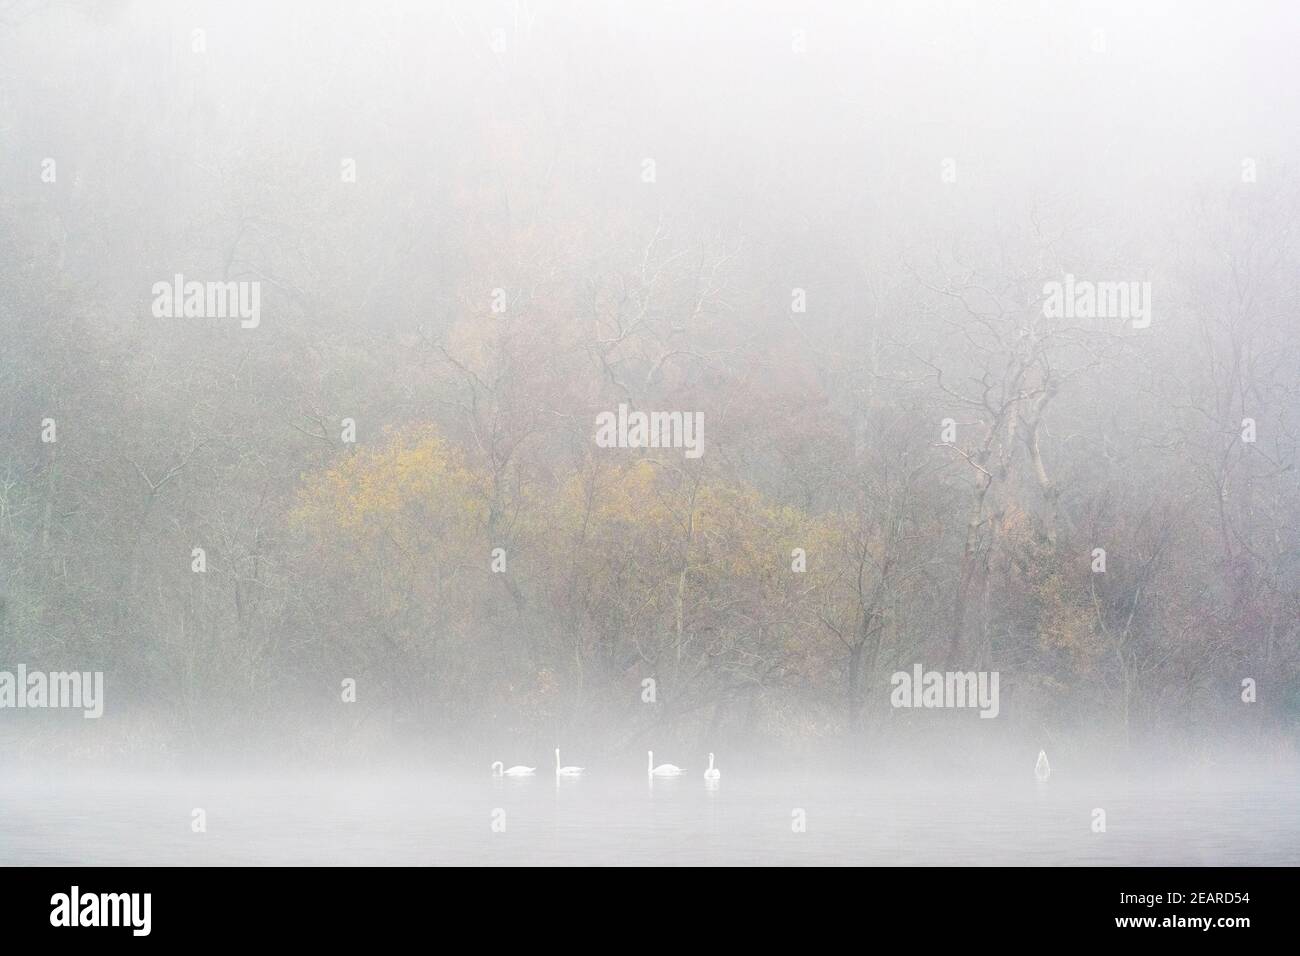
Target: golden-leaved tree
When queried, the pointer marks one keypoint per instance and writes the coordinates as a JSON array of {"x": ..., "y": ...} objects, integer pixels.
[{"x": 396, "y": 534}]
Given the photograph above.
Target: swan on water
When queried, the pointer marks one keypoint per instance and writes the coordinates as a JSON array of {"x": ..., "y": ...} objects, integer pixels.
[
  {"x": 499, "y": 770},
  {"x": 565, "y": 771},
  {"x": 1042, "y": 769},
  {"x": 711, "y": 773},
  {"x": 664, "y": 769}
]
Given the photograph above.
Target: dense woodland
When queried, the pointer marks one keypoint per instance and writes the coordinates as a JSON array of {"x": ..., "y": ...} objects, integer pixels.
[{"x": 500, "y": 150}]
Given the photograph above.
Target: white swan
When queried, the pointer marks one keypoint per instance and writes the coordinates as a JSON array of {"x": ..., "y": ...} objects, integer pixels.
[
  {"x": 663, "y": 770},
  {"x": 499, "y": 769},
  {"x": 565, "y": 771},
  {"x": 712, "y": 774},
  {"x": 1042, "y": 769}
]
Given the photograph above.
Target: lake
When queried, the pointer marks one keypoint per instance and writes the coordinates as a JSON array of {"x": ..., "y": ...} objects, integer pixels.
[{"x": 427, "y": 819}]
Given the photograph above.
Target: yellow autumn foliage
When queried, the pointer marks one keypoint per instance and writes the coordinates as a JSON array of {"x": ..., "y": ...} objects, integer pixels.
[
  {"x": 412, "y": 488},
  {"x": 727, "y": 534}
]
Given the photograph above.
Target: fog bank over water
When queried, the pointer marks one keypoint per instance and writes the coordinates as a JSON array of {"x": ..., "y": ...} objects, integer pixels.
[
  {"x": 870, "y": 395},
  {"x": 770, "y": 818}
]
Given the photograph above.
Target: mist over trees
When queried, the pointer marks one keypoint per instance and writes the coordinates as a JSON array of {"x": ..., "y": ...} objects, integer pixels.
[{"x": 477, "y": 227}]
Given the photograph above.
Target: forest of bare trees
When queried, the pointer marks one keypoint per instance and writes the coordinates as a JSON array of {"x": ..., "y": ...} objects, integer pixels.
[{"x": 467, "y": 248}]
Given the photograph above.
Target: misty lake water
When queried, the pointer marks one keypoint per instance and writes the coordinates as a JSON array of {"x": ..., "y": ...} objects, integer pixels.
[{"x": 747, "y": 819}]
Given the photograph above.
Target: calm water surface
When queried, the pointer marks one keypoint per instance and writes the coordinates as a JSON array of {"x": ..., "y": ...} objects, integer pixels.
[{"x": 419, "y": 820}]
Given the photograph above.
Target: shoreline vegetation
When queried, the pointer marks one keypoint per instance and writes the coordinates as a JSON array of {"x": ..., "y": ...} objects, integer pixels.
[{"x": 947, "y": 390}]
